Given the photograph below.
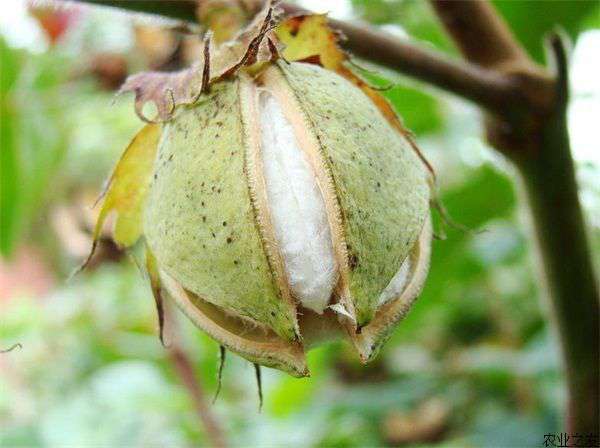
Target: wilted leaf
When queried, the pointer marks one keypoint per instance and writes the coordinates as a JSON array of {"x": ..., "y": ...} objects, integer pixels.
[
  {"x": 306, "y": 36},
  {"x": 169, "y": 90},
  {"x": 127, "y": 188},
  {"x": 223, "y": 17}
]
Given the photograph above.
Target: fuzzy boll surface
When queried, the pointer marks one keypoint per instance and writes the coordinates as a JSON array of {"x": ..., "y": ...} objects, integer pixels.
[
  {"x": 380, "y": 182},
  {"x": 201, "y": 218}
]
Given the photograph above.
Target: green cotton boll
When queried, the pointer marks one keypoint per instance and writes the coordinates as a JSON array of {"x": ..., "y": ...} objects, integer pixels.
[{"x": 285, "y": 210}]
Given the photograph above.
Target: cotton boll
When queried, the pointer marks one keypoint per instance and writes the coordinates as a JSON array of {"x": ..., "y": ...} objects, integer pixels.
[
  {"x": 297, "y": 209},
  {"x": 276, "y": 209}
]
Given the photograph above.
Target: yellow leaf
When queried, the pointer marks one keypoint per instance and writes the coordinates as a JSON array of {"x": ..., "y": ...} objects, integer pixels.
[
  {"x": 307, "y": 36},
  {"x": 128, "y": 186}
]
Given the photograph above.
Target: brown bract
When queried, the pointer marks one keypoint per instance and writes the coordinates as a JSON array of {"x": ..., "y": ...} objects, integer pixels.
[{"x": 256, "y": 44}]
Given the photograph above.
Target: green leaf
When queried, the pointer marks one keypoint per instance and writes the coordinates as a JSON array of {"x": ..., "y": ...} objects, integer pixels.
[
  {"x": 413, "y": 16},
  {"x": 33, "y": 137},
  {"x": 531, "y": 20},
  {"x": 592, "y": 21},
  {"x": 10, "y": 174}
]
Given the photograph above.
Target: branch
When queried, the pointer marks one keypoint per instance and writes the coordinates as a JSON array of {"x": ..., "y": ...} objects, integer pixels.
[
  {"x": 565, "y": 256},
  {"x": 479, "y": 32},
  {"x": 485, "y": 41},
  {"x": 490, "y": 90},
  {"x": 537, "y": 141}
]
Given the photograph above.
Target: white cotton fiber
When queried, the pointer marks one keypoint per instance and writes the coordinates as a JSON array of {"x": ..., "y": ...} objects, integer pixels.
[
  {"x": 297, "y": 209},
  {"x": 396, "y": 284}
]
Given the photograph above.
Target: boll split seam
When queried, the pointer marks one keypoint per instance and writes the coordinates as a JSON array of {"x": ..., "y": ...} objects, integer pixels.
[{"x": 279, "y": 200}]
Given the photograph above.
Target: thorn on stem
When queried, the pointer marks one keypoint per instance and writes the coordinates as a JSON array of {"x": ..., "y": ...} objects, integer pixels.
[{"x": 558, "y": 44}]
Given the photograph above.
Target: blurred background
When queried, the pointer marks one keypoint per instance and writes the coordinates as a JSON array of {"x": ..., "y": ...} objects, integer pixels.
[{"x": 474, "y": 363}]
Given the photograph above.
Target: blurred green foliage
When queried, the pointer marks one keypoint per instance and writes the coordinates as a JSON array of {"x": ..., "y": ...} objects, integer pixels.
[
  {"x": 91, "y": 372},
  {"x": 533, "y": 19},
  {"x": 33, "y": 140}
]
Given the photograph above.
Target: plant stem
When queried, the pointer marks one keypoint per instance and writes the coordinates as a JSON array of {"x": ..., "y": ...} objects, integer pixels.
[
  {"x": 479, "y": 32},
  {"x": 536, "y": 139},
  {"x": 486, "y": 88},
  {"x": 565, "y": 257}
]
